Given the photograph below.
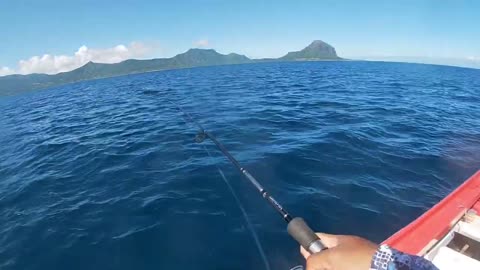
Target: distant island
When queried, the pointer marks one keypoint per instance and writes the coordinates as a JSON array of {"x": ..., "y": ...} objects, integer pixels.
[
  {"x": 14, "y": 84},
  {"x": 317, "y": 50}
]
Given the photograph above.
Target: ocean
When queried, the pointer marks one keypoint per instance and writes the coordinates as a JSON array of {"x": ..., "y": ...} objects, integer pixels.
[{"x": 105, "y": 174}]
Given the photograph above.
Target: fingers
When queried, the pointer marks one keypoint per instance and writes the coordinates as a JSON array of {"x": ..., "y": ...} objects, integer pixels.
[
  {"x": 329, "y": 240},
  {"x": 319, "y": 261},
  {"x": 304, "y": 253},
  {"x": 344, "y": 252}
]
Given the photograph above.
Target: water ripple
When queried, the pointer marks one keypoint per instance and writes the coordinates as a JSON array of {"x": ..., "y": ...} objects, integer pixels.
[{"x": 105, "y": 173}]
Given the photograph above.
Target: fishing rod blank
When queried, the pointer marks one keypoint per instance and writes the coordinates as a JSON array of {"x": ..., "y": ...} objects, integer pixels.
[{"x": 297, "y": 227}]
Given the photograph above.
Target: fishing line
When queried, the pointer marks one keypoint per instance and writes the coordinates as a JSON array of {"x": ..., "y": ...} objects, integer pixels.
[
  {"x": 234, "y": 194},
  {"x": 296, "y": 227},
  {"x": 244, "y": 212}
]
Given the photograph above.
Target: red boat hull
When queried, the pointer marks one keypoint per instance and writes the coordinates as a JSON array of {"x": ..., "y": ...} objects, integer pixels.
[{"x": 420, "y": 235}]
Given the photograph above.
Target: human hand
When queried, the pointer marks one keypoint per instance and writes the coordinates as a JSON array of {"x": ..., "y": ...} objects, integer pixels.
[{"x": 345, "y": 252}]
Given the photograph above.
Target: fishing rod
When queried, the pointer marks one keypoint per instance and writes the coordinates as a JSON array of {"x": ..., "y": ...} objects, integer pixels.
[{"x": 296, "y": 227}]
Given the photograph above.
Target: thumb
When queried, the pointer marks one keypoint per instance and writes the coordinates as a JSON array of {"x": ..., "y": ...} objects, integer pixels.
[{"x": 320, "y": 261}]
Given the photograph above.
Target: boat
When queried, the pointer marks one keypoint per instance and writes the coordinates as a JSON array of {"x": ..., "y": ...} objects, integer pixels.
[{"x": 448, "y": 234}]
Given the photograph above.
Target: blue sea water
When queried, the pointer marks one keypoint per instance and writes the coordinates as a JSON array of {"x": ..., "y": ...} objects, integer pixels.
[{"x": 105, "y": 174}]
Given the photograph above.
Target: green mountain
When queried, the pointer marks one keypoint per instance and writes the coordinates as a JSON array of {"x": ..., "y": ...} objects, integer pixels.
[
  {"x": 317, "y": 50},
  {"x": 15, "y": 84}
]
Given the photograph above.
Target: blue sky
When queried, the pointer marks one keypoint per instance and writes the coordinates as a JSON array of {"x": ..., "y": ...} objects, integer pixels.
[{"x": 419, "y": 29}]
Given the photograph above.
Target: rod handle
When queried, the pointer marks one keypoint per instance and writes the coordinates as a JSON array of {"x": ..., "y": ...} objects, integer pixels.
[{"x": 301, "y": 232}]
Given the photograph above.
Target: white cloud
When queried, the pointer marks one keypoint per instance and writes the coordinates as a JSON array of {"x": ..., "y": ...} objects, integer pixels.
[
  {"x": 202, "y": 43},
  {"x": 5, "y": 71},
  {"x": 52, "y": 64},
  {"x": 474, "y": 58}
]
